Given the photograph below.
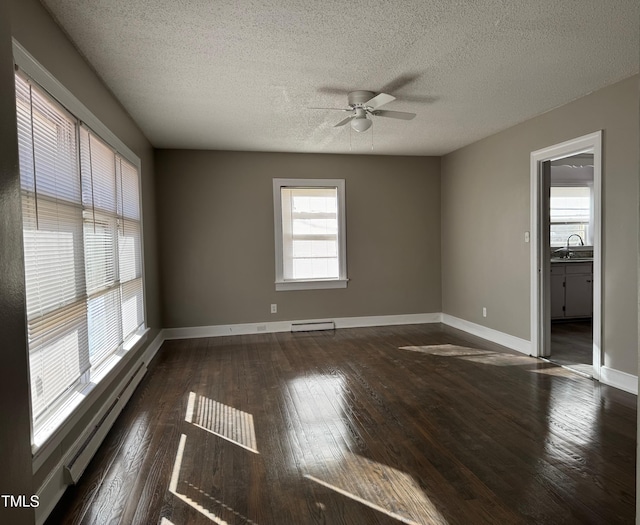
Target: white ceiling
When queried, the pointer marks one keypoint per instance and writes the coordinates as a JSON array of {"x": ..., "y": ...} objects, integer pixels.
[{"x": 240, "y": 74}]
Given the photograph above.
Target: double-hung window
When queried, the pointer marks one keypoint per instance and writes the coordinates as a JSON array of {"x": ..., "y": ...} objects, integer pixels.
[
  {"x": 83, "y": 253},
  {"x": 309, "y": 217}
]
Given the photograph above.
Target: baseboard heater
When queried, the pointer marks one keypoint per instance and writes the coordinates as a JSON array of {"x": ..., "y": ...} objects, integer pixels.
[
  {"x": 75, "y": 468},
  {"x": 313, "y": 326}
]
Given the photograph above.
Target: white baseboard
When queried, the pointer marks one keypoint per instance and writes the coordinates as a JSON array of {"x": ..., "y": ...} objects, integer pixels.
[
  {"x": 618, "y": 379},
  {"x": 285, "y": 326},
  {"x": 510, "y": 341},
  {"x": 55, "y": 484},
  {"x": 515, "y": 343}
]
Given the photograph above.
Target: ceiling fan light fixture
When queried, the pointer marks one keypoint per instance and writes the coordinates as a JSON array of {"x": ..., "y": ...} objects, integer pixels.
[
  {"x": 361, "y": 124},
  {"x": 363, "y": 105}
]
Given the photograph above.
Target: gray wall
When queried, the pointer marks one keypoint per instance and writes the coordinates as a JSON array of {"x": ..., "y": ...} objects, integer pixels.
[
  {"x": 15, "y": 450},
  {"x": 486, "y": 210},
  {"x": 217, "y": 238},
  {"x": 33, "y": 27}
]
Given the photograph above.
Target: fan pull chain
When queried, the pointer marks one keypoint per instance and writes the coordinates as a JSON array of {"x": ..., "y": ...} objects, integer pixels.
[{"x": 372, "y": 136}]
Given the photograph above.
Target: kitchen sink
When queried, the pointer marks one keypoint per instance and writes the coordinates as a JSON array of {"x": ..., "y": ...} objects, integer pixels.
[{"x": 568, "y": 254}]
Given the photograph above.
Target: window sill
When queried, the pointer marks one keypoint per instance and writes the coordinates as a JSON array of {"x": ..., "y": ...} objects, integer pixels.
[
  {"x": 76, "y": 404},
  {"x": 282, "y": 286}
]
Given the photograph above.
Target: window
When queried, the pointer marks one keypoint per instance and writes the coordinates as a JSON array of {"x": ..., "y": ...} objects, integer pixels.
[
  {"x": 82, "y": 249},
  {"x": 310, "y": 234},
  {"x": 571, "y": 213}
]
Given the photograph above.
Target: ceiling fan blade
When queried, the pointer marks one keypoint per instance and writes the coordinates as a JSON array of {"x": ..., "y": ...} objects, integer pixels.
[
  {"x": 402, "y": 115},
  {"x": 344, "y": 121},
  {"x": 379, "y": 100}
]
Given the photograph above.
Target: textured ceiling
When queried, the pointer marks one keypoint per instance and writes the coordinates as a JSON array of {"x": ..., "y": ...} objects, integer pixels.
[{"x": 240, "y": 74}]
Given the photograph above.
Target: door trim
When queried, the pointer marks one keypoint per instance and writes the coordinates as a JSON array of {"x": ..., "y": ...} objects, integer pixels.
[{"x": 591, "y": 143}]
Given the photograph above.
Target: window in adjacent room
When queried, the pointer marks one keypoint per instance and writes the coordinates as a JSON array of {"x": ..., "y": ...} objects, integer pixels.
[
  {"x": 82, "y": 251},
  {"x": 310, "y": 234},
  {"x": 571, "y": 210}
]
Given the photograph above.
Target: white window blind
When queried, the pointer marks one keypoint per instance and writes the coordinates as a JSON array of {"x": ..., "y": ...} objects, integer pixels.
[
  {"x": 130, "y": 250},
  {"x": 53, "y": 240},
  {"x": 310, "y": 233},
  {"x": 113, "y": 244},
  {"x": 82, "y": 246},
  {"x": 571, "y": 213}
]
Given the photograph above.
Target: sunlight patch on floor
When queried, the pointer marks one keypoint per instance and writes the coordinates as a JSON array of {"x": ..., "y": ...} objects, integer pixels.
[
  {"x": 446, "y": 350},
  {"x": 222, "y": 420},
  {"x": 381, "y": 488},
  {"x": 317, "y": 406},
  {"x": 485, "y": 357},
  {"x": 208, "y": 498},
  {"x": 500, "y": 359}
]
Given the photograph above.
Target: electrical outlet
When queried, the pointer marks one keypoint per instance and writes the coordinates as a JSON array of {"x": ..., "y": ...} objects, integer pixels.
[
  {"x": 274, "y": 308},
  {"x": 262, "y": 328},
  {"x": 484, "y": 311}
]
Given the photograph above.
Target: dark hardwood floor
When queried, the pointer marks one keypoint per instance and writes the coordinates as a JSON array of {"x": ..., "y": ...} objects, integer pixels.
[
  {"x": 572, "y": 344},
  {"x": 413, "y": 424}
]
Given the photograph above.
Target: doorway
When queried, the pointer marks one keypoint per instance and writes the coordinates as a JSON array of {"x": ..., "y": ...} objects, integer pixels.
[
  {"x": 566, "y": 253},
  {"x": 571, "y": 226}
]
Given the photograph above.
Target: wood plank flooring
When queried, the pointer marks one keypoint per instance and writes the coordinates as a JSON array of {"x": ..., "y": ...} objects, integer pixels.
[
  {"x": 416, "y": 424},
  {"x": 572, "y": 345}
]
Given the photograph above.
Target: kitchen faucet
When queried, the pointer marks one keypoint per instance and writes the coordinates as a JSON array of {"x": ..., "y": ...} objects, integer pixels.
[
  {"x": 565, "y": 251},
  {"x": 574, "y": 235}
]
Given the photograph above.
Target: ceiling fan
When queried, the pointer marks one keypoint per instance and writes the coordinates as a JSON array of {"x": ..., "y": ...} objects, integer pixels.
[{"x": 362, "y": 104}]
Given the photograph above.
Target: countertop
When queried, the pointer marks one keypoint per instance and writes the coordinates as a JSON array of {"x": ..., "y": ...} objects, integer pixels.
[{"x": 572, "y": 260}]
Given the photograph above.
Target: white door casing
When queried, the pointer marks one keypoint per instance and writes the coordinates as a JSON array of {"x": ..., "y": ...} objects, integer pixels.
[{"x": 591, "y": 143}]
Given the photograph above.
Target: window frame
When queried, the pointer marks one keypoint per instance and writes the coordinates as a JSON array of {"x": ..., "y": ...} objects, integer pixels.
[{"x": 282, "y": 284}]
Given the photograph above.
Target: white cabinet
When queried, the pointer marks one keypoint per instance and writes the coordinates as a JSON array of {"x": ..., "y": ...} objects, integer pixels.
[
  {"x": 571, "y": 290},
  {"x": 578, "y": 295},
  {"x": 557, "y": 294}
]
